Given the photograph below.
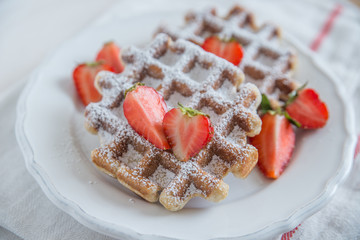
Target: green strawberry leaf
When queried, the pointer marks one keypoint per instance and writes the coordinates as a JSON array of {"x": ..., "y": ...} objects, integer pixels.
[
  {"x": 190, "y": 111},
  {"x": 291, "y": 120},
  {"x": 134, "y": 87},
  {"x": 294, "y": 94},
  {"x": 265, "y": 105}
]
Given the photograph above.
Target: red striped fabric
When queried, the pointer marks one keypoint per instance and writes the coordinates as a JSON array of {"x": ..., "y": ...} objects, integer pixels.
[
  {"x": 357, "y": 149},
  {"x": 288, "y": 235},
  {"x": 315, "y": 46},
  {"x": 326, "y": 28}
]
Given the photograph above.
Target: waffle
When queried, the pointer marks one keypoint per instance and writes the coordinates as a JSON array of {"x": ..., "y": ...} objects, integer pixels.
[
  {"x": 266, "y": 63},
  {"x": 176, "y": 70}
]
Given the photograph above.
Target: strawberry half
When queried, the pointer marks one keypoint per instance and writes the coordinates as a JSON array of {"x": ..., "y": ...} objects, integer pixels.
[
  {"x": 275, "y": 144},
  {"x": 229, "y": 50},
  {"x": 110, "y": 54},
  {"x": 84, "y": 77},
  {"x": 307, "y": 109},
  {"x": 144, "y": 108},
  {"x": 187, "y": 131}
]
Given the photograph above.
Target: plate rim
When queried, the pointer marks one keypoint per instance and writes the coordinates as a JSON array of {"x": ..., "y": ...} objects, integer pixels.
[{"x": 110, "y": 229}]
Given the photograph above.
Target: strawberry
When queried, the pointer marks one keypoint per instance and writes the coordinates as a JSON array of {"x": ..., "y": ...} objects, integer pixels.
[
  {"x": 275, "y": 144},
  {"x": 110, "y": 54},
  {"x": 144, "y": 108},
  {"x": 84, "y": 76},
  {"x": 306, "y": 108},
  {"x": 229, "y": 50},
  {"x": 187, "y": 131}
]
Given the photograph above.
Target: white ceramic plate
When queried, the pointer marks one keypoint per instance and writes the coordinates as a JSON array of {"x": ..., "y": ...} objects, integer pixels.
[{"x": 57, "y": 149}]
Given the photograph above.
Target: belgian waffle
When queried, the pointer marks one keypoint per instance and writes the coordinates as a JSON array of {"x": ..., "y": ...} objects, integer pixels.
[
  {"x": 266, "y": 62},
  {"x": 176, "y": 70}
]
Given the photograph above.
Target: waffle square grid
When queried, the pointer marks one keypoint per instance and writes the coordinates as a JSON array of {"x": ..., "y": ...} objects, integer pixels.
[
  {"x": 266, "y": 63},
  {"x": 176, "y": 69}
]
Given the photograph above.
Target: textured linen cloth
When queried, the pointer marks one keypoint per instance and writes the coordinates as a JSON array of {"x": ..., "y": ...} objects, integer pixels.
[
  {"x": 331, "y": 28},
  {"x": 337, "y": 43}
]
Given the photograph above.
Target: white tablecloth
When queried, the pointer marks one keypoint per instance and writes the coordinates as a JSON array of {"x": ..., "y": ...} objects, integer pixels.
[{"x": 29, "y": 30}]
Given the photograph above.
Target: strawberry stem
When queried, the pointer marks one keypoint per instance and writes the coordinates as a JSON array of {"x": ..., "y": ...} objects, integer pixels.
[
  {"x": 134, "y": 87},
  {"x": 108, "y": 42},
  {"x": 291, "y": 120},
  {"x": 294, "y": 94},
  {"x": 227, "y": 39},
  {"x": 190, "y": 111},
  {"x": 94, "y": 64},
  {"x": 265, "y": 107}
]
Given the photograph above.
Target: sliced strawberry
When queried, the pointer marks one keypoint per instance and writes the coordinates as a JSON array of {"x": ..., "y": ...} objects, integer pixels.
[
  {"x": 275, "y": 144},
  {"x": 110, "y": 53},
  {"x": 144, "y": 108},
  {"x": 84, "y": 76},
  {"x": 229, "y": 50},
  {"x": 308, "y": 109},
  {"x": 187, "y": 131}
]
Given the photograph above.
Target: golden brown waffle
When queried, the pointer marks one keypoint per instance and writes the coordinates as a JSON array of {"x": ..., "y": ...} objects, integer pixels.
[
  {"x": 266, "y": 63},
  {"x": 176, "y": 70}
]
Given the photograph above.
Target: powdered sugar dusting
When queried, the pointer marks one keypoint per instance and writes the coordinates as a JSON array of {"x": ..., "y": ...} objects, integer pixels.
[
  {"x": 228, "y": 89},
  {"x": 132, "y": 159},
  {"x": 169, "y": 58},
  {"x": 216, "y": 166},
  {"x": 162, "y": 176},
  {"x": 214, "y": 118},
  {"x": 237, "y": 136},
  {"x": 151, "y": 82},
  {"x": 193, "y": 191},
  {"x": 265, "y": 60},
  {"x": 263, "y": 53},
  {"x": 176, "y": 98},
  {"x": 198, "y": 73}
]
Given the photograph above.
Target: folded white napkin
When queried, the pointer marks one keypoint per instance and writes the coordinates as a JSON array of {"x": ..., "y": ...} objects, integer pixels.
[{"x": 25, "y": 212}]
